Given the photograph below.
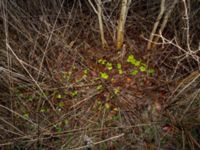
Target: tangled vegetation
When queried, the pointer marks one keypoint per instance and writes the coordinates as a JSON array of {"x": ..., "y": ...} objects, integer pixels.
[{"x": 100, "y": 74}]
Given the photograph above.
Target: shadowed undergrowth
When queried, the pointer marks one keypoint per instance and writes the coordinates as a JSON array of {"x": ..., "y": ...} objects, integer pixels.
[{"x": 60, "y": 90}]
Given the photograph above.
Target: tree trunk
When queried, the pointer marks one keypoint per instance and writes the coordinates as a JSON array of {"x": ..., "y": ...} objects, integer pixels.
[{"x": 121, "y": 23}]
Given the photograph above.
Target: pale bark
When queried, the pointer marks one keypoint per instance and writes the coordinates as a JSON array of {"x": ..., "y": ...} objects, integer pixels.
[
  {"x": 162, "y": 10},
  {"x": 121, "y": 23},
  {"x": 165, "y": 20},
  {"x": 99, "y": 13}
]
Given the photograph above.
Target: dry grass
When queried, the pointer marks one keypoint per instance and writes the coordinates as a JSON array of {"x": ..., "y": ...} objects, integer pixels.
[{"x": 51, "y": 96}]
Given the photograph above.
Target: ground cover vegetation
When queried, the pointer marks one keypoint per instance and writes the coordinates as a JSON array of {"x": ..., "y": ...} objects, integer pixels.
[{"x": 100, "y": 74}]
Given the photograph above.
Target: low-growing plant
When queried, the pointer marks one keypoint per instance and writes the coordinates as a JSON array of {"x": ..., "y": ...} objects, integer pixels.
[
  {"x": 61, "y": 104},
  {"x": 44, "y": 110},
  {"x": 107, "y": 106},
  {"x": 85, "y": 71},
  {"x": 58, "y": 96},
  {"x": 117, "y": 90},
  {"x": 58, "y": 127},
  {"x": 66, "y": 75},
  {"x": 131, "y": 59},
  {"x": 99, "y": 87},
  {"x": 119, "y": 68},
  {"x": 134, "y": 72},
  {"x": 104, "y": 75},
  {"x": 102, "y": 61},
  {"x": 141, "y": 66},
  {"x": 74, "y": 93},
  {"x": 151, "y": 71},
  {"x": 109, "y": 66},
  {"x": 116, "y": 117},
  {"x": 26, "y": 115}
]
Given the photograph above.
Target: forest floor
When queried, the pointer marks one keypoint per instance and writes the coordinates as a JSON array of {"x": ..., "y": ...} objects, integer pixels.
[{"x": 61, "y": 90}]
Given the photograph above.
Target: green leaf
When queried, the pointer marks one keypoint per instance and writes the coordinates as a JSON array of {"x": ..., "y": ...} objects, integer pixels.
[
  {"x": 61, "y": 104},
  {"x": 109, "y": 66},
  {"x": 137, "y": 63},
  {"x": 99, "y": 87},
  {"x": 85, "y": 71},
  {"x": 116, "y": 90},
  {"x": 143, "y": 68},
  {"x": 102, "y": 61},
  {"x": 30, "y": 98},
  {"x": 59, "y": 96},
  {"x": 58, "y": 128},
  {"x": 119, "y": 67},
  {"x": 67, "y": 75},
  {"x": 66, "y": 122},
  {"x": 151, "y": 71},
  {"x": 120, "y": 71},
  {"x": 42, "y": 110},
  {"x": 74, "y": 93},
  {"x": 26, "y": 115},
  {"x": 134, "y": 72},
  {"x": 130, "y": 59},
  {"x": 104, "y": 75},
  {"x": 107, "y": 106},
  {"x": 116, "y": 117}
]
